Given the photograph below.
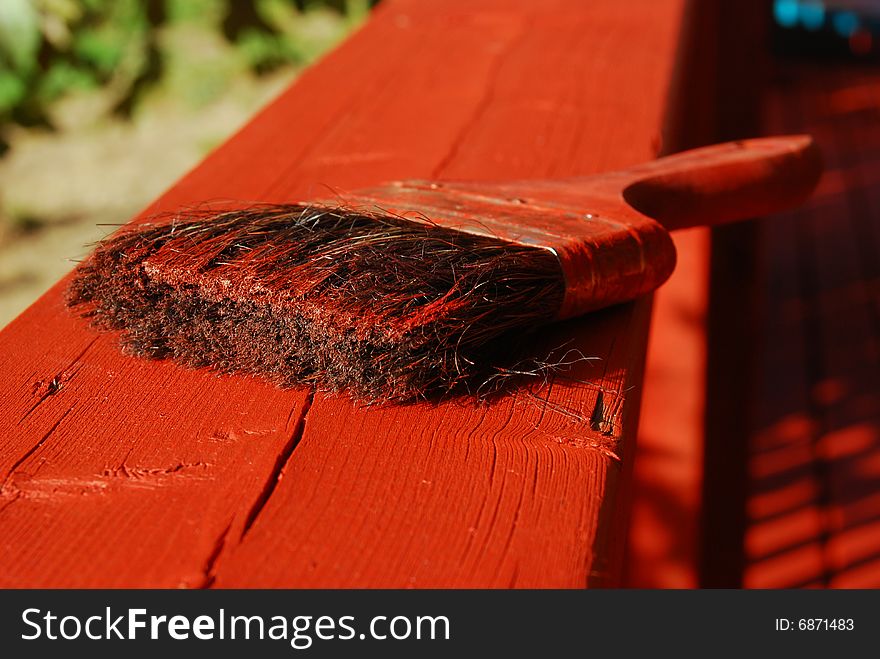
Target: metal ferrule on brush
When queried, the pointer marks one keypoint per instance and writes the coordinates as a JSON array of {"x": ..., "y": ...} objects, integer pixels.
[{"x": 604, "y": 260}]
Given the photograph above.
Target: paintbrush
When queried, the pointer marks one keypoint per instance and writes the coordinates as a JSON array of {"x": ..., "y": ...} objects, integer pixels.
[{"x": 412, "y": 289}]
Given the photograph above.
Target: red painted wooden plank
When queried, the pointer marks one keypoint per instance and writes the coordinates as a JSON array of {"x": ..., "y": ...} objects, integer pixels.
[
  {"x": 456, "y": 496},
  {"x": 505, "y": 484},
  {"x": 686, "y": 527},
  {"x": 143, "y": 474},
  {"x": 849, "y": 365},
  {"x": 783, "y": 541},
  {"x": 116, "y": 471},
  {"x": 814, "y": 506}
]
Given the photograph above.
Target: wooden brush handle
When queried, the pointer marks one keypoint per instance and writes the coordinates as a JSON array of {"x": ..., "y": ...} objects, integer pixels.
[
  {"x": 610, "y": 231},
  {"x": 725, "y": 182},
  {"x": 703, "y": 187}
]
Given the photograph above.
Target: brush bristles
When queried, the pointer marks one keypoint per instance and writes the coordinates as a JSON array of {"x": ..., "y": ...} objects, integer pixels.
[{"x": 385, "y": 307}]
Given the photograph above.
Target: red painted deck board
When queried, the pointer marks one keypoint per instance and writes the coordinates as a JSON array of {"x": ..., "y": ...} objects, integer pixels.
[
  {"x": 455, "y": 496},
  {"x": 813, "y": 502},
  {"x": 143, "y": 474},
  {"x": 126, "y": 483}
]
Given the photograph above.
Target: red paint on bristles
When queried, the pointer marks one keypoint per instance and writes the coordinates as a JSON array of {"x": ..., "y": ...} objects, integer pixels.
[{"x": 384, "y": 307}]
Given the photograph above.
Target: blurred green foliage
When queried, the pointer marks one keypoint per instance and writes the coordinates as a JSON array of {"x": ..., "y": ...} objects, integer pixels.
[{"x": 50, "y": 48}]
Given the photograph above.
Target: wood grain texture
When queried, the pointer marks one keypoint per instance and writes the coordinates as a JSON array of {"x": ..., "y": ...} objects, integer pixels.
[
  {"x": 128, "y": 473},
  {"x": 119, "y": 472}
]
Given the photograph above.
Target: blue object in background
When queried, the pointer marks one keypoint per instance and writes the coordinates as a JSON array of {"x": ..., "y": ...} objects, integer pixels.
[
  {"x": 786, "y": 12},
  {"x": 845, "y": 23},
  {"x": 812, "y": 15},
  {"x": 828, "y": 28}
]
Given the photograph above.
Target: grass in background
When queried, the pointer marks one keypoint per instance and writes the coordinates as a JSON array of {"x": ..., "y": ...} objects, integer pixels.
[
  {"x": 50, "y": 48},
  {"x": 104, "y": 103}
]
